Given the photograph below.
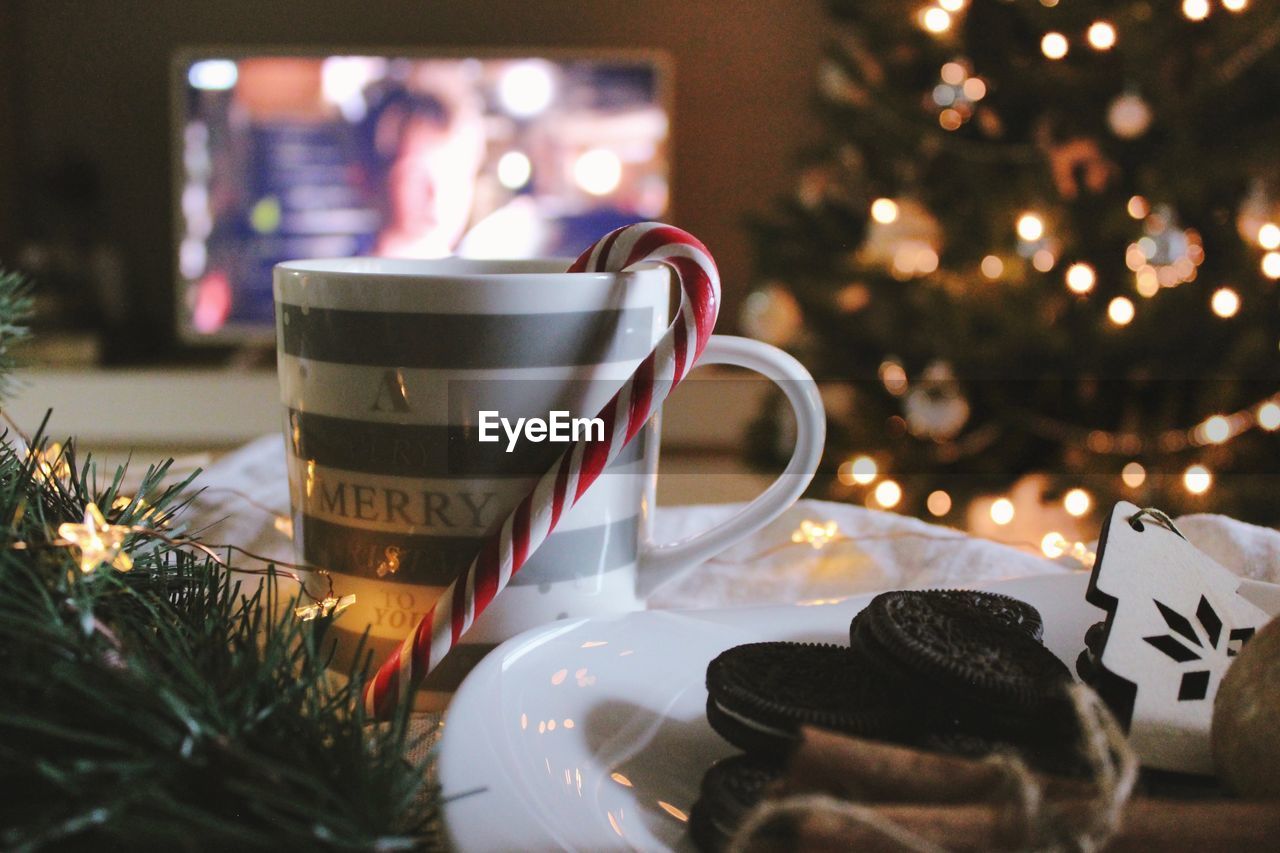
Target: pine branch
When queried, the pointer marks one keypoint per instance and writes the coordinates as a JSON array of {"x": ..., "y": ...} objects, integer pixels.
[{"x": 168, "y": 707}]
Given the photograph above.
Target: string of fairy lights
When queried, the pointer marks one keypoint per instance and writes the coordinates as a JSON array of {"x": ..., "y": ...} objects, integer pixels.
[
  {"x": 1100, "y": 35},
  {"x": 1163, "y": 255},
  {"x": 96, "y": 542},
  {"x": 821, "y": 535}
]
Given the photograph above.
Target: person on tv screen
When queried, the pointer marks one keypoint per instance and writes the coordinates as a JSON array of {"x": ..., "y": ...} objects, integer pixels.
[{"x": 426, "y": 146}]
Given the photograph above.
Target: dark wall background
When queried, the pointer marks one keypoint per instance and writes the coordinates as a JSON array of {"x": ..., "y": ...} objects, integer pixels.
[{"x": 89, "y": 79}]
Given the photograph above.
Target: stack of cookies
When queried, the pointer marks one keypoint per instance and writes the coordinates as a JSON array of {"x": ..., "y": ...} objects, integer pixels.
[{"x": 952, "y": 670}]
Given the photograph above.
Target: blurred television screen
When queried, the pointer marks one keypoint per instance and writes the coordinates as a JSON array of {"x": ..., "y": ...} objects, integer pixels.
[{"x": 305, "y": 156}]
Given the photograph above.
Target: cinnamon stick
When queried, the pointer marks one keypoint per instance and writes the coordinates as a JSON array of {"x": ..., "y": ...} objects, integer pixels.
[
  {"x": 1171, "y": 826},
  {"x": 865, "y": 770}
]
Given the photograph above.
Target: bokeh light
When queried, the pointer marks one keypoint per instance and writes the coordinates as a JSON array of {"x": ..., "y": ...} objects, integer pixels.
[
  {"x": 1054, "y": 45},
  {"x": 1002, "y": 511},
  {"x": 1133, "y": 474},
  {"x": 1101, "y": 35},
  {"x": 1077, "y": 502},
  {"x": 1120, "y": 311},
  {"x": 1080, "y": 278},
  {"x": 884, "y": 210},
  {"x": 1197, "y": 479},
  {"x": 1225, "y": 302},
  {"x": 888, "y": 494},
  {"x": 1030, "y": 227}
]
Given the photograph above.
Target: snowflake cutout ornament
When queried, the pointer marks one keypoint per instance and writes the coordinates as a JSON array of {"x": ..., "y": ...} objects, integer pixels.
[
  {"x": 1191, "y": 648},
  {"x": 1175, "y": 620}
]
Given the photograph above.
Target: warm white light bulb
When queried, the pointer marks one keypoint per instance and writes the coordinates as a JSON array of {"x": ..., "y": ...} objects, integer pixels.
[
  {"x": 935, "y": 20},
  {"x": 1197, "y": 479},
  {"x": 888, "y": 494},
  {"x": 1269, "y": 416},
  {"x": 1054, "y": 45},
  {"x": 1102, "y": 36},
  {"x": 1077, "y": 502},
  {"x": 1235, "y": 5},
  {"x": 1053, "y": 545},
  {"x": 939, "y": 503},
  {"x": 1121, "y": 311},
  {"x": 952, "y": 5},
  {"x": 863, "y": 470},
  {"x": 1271, "y": 264},
  {"x": 884, "y": 210},
  {"x": 1269, "y": 236},
  {"x": 1002, "y": 511},
  {"x": 1030, "y": 227},
  {"x": 1080, "y": 278},
  {"x": 1215, "y": 430},
  {"x": 1225, "y": 302},
  {"x": 1195, "y": 10}
]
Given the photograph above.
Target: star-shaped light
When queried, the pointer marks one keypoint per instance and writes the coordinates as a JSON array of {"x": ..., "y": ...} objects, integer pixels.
[
  {"x": 146, "y": 512},
  {"x": 51, "y": 463},
  {"x": 816, "y": 535},
  {"x": 97, "y": 541},
  {"x": 327, "y": 606}
]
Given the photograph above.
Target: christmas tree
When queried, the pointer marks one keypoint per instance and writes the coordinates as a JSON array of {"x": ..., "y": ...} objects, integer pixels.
[{"x": 1040, "y": 240}]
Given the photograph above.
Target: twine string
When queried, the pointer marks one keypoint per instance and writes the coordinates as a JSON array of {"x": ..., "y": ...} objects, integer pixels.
[
  {"x": 1158, "y": 517},
  {"x": 1025, "y": 812},
  {"x": 766, "y": 819}
]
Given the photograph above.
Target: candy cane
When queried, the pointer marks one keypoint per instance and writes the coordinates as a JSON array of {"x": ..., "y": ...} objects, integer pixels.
[{"x": 528, "y": 526}]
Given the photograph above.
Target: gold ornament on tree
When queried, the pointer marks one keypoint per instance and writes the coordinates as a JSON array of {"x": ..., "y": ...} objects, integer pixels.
[
  {"x": 771, "y": 314},
  {"x": 934, "y": 407},
  {"x": 1129, "y": 116},
  {"x": 906, "y": 243}
]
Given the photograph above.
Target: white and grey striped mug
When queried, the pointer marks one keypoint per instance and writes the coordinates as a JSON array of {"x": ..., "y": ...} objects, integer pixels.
[{"x": 393, "y": 371}]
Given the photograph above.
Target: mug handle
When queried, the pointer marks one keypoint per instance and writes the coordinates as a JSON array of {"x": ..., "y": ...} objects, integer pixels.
[{"x": 659, "y": 564}]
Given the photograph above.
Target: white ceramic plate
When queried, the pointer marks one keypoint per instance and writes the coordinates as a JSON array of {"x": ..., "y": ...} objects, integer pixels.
[{"x": 592, "y": 734}]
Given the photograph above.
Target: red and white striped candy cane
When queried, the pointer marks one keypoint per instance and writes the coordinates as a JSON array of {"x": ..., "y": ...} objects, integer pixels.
[{"x": 505, "y": 551}]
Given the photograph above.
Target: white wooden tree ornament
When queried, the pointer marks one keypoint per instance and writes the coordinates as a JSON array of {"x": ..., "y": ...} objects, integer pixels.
[{"x": 1175, "y": 619}]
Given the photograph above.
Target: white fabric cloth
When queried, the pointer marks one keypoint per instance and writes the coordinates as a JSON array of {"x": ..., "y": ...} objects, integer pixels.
[{"x": 246, "y": 491}]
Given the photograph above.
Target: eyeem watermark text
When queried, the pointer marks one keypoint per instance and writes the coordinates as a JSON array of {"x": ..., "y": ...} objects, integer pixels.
[{"x": 558, "y": 426}]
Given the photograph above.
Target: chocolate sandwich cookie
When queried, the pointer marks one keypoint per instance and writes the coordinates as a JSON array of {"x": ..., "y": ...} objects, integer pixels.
[
  {"x": 730, "y": 789},
  {"x": 1002, "y": 608},
  {"x": 1089, "y": 663},
  {"x": 759, "y": 695},
  {"x": 959, "y": 660}
]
